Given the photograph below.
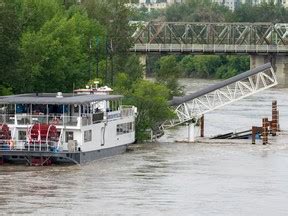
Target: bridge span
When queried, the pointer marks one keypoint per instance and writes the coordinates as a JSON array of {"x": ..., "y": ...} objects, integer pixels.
[
  {"x": 211, "y": 37},
  {"x": 264, "y": 42}
]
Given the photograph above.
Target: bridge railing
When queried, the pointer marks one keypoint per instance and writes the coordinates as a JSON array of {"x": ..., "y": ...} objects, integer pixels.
[{"x": 209, "y": 48}]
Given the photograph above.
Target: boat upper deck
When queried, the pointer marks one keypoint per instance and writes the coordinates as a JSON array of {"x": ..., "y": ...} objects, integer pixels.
[
  {"x": 63, "y": 110},
  {"x": 59, "y": 98}
]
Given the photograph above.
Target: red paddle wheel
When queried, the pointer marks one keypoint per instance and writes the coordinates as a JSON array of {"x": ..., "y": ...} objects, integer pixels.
[
  {"x": 44, "y": 136},
  {"x": 4, "y": 132},
  {"x": 5, "y": 140},
  {"x": 43, "y": 133}
]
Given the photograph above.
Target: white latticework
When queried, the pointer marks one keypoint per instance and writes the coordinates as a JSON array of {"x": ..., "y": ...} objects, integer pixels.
[{"x": 215, "y": 99}]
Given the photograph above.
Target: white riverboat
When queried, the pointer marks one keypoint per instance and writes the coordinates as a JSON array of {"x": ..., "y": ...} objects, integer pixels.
[{"x": 50, "y": 128}]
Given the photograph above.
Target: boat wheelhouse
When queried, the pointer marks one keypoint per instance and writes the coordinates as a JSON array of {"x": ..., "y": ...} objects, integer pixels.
[{"x": 46, "y": 128}]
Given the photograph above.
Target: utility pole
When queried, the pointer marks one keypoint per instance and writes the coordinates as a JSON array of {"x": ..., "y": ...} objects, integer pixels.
[
  {"x": 97, "y": 56},
  {"x": 90, "y": 48},
  {"x": 106, "y": 54},
  {"x": 111, "y": 59}
]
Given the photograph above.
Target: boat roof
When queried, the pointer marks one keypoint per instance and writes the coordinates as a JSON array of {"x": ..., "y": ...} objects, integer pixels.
[{"x": 52, "y": 98}]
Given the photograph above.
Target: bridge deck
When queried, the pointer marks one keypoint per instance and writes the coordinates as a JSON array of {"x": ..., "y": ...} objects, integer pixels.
[
  {"x": 210, "y": 48},
  {"x": 210, "y": 37}
]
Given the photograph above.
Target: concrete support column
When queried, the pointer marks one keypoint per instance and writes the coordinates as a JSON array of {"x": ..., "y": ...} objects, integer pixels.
[
  {"x": 281, "y": 68},
  {"x": 257, "y": 60},
  {"x": 143, "y": 62},
  {"x": 191, "y": 132},
  {"x": 279, "y": 63}
]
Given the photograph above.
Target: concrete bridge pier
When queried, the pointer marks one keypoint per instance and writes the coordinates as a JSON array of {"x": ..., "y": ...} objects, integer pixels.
[
  {"x": 281, "y": 67},
  {"x": 143, "y": 62},
  {"x": 279, "y": 63}
]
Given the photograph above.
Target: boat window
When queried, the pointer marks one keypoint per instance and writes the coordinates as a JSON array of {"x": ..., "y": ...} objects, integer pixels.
[
  {"x": 87, "y": 135},
  {"x": 69, "y": 136},
  {"x": 11, "y": 109},
  {"x": 39, "y": 109},
  {"x": 125, "y": 128},
  {"x": 22, "y": 135},
  {"x": 22, "y": 108},
  {"x": 76, "y": 108}
]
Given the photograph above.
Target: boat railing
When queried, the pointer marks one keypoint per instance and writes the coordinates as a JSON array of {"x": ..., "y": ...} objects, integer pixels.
[
  {"x": 34, "y": 146},
  {"x": 23, "y": 119},
  {"x": 7, "y": 118},
  {"x": 113, "y": 115},
  {"x": 86, "y": 119},
  {"x": 64, "y": 120},
  {"x": 127, "y": 111},
  {"x": 60, "y": 120}
]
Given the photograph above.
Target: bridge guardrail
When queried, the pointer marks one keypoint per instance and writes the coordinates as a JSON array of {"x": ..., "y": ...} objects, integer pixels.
[{"x": 208, "y": 48}]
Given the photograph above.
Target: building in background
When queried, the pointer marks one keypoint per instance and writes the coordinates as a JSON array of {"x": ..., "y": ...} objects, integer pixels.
[
  {"x": 233, "y": 4},
  {"x": 154, "y": 4}
]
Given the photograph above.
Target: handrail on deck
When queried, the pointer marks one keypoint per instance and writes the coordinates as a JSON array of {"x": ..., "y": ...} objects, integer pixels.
[
  {"x": 75, "y": 121},
  {"x": 24, "y": 145}
]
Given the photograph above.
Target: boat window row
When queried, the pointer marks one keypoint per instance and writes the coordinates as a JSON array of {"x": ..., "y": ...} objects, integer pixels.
[
  {"x": 125, "y": 128},
  {"x": 93, "y": 113}
]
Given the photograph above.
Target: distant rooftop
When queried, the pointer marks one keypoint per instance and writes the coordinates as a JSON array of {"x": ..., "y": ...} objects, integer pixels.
[{"x": 52, "y": 98}]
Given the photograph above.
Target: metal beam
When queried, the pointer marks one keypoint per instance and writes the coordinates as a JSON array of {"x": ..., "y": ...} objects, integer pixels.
[{"x": 192, "y": 107}]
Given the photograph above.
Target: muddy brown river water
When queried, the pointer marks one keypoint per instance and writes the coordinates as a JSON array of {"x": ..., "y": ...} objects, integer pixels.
[{"x": 168, "y": 178}]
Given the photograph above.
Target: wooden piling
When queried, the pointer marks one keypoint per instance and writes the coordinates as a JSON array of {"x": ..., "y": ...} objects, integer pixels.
[
  {"x": 256, "y": 130},
  {"x": 202, "y": 126},
  {"x": 265, "y": 125},
  {"x": 278, "y": 125},
  {"x": 274, "y": 122},
  {"x": 253, "y": 135}
]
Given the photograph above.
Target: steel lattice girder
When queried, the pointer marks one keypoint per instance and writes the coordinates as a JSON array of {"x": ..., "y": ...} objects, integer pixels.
[
  {"x": 233, "y": 92},
  {"x": 211, "y": 33}
]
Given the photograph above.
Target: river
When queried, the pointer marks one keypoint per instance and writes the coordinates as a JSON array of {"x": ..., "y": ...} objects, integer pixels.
[{"x": 168, "y": 177}]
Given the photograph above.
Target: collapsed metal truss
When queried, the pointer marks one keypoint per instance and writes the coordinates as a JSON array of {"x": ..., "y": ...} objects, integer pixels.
[
  {"x": 237, "y": 37},
  {"x": 207, "y": 102}
]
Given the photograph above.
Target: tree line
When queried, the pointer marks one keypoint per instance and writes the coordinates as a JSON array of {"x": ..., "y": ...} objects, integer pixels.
[
  {"x": 55, "y": 44},
  {"x": 207, "y": 11},
  {"x": 61, "y": 45},
  {"x": 198, "y": 66}
]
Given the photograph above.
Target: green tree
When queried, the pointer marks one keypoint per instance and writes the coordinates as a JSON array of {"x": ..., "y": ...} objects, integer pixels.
[
  {"x": 205, "y": 66},
  {"x": 232, "y": 66},
  {"x": 265, "y": 12},
  {"x": 114, "y": 15},
  {"x": 225, "y": 72},
  {"x": 122, "y": 84},
  {"x": 187, "y": 66},
  {"x": 153, "y": 109},
  {"x": 57, "y": 56},
  {"x": 197, "y": 11},
  {"x": 134, "y": 68},
  {"x": 133, "y": 72},
  {"x": 35, "y": 13},
  {"x": 167, "y": 73},
  {"x": 10, "y": 33}
]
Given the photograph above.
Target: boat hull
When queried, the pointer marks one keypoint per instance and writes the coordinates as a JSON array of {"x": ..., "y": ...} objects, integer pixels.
[{"x": 48, "y": 158}]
